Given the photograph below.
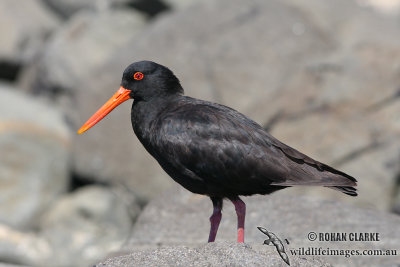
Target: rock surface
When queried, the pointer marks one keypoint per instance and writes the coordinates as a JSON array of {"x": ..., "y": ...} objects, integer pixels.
[
  {"x": 78, "y": 230},
  {"x": 391, "y": 7},
  {"x": 10, "y": 265},
  {"x": 30, "y": 180},
  {"x": 84, "y": 225},
  {"x": 24, "y": 26},
  {"x": 179, "y": 217},
  {"x": 74, "y": 51},
  {"x": 212, "y": 254},
  {"x": 22, "y": 248},
  {"x": 341, "y": 101},
  {"x": 179, "y": 4}
]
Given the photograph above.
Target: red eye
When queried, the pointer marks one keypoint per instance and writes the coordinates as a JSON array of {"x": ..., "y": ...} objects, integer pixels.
[{"x": 138, "y": 76}]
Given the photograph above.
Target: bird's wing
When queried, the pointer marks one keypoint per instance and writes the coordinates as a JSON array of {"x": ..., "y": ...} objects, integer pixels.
[
  {"x": 222, "y": 145},
  {"x": 302, "y": 159}
]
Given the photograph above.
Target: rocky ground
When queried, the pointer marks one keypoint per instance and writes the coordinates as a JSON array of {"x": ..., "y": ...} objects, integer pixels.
[
  {"x": 179, "y": 217},
  {"x": 322, "y": 76},
  {"x": 212, "y": 254}
]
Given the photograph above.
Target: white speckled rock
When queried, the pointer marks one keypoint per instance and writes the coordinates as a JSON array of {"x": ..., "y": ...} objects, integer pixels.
[{"x": 211, "y": 254}]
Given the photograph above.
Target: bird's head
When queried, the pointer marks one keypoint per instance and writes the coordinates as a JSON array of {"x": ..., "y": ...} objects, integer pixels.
[
  {"x": 146, "y": 80},
  {"x": 141, "y": 81}
]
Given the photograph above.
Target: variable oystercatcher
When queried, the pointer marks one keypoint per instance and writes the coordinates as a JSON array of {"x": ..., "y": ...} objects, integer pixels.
[{"x": 211, "y": 149}]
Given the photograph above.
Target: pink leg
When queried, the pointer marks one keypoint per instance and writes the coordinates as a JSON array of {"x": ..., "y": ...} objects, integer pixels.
[
  {"x": 215, "y": 218},
  {"x": 240, "y": 208}
]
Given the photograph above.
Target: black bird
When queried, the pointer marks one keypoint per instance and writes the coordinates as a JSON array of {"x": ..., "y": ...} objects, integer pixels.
[{"x": 211, "y": 149}]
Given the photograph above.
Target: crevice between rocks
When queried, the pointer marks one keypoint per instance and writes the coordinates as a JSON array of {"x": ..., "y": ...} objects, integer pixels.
[
  {"x": 150, "y": 7},
  {"x": 273, "y": 120},
  {"x": 9, "y": 70},
  {"x": 281, "y": 116},
  {"x": 384, "y": 102},
  {"x": 396, "y": 195},
  {"x": 77, "y": 181},
  {"x": 356, "y": 153}
]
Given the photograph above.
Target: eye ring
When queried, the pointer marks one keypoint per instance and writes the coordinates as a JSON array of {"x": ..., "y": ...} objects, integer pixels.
[{"x": 138, "y": 76}]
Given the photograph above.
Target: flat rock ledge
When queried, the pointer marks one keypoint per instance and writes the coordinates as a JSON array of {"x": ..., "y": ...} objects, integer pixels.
[{"x": 211, "y": 254}]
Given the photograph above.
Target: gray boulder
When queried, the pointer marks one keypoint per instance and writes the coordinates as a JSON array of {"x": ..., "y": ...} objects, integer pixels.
[
  {"x": 85, "y": 225},
  {"x": 34, "y": 159},
  {"x": 179, "y": 217},
  {"x": 391, "y": 7},
  {"x": 77, "y": 230},
  {"x": 212, "y": 254},
  {"x": 22, "y": 248},
  {"x": 82, "y": 44},
  {"x": 24, "y": 26}
]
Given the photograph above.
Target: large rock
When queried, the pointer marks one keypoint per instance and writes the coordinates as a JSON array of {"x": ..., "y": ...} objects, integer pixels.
[
  {"x": 181, "y": 218},
  {"x": 342, "y": 119},
  {"x": 34, "y": 159},
  {"x": 77, "y": 230},
  {"x": 24, "y": 26},
  {"x": 211, "y": 254},
  {"x": 22, "y": 248},
  {"x": 83, "y": 43},
  {"x": 85, "y": 225},
  {"x": 391, "y": 7}
]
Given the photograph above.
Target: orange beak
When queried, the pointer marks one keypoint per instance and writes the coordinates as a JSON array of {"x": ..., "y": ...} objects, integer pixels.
[{"x": 119, "y": 97}]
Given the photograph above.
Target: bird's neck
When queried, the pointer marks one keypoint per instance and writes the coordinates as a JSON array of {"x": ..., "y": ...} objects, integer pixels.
[{"x": 144, "y": 113}]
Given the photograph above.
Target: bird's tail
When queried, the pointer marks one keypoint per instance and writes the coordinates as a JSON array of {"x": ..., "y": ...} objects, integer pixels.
[
  {"x": 348, "y": 190},
  {"x": 308, "y": 175}
]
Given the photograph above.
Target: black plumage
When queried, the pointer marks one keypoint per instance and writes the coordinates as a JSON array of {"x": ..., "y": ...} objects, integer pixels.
[{"x": 213, "y": 150}]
